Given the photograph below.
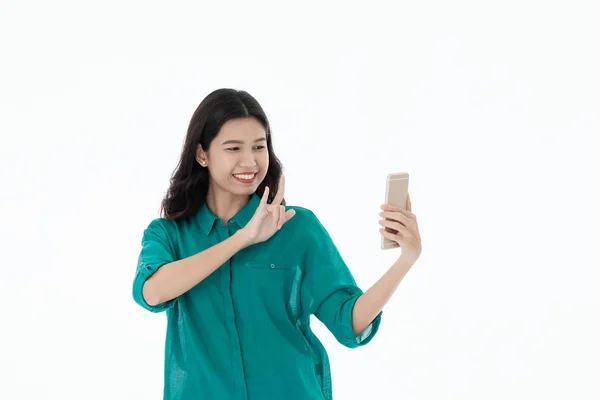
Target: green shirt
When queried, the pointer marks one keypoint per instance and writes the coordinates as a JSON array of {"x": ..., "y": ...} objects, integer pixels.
[{"x": 244, "y": 331}]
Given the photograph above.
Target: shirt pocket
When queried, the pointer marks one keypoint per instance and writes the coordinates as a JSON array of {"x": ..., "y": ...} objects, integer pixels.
[{"x": 275, "y": 287}]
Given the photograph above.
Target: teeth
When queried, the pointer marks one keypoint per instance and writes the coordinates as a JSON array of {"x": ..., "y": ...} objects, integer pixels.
[{"x": 244, "y": 176}]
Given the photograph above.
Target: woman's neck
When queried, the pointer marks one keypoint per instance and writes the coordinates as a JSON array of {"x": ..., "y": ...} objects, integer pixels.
[{"x": 225, "y": 204}]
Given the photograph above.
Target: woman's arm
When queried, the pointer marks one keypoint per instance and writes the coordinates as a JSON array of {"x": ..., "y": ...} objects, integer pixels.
[
  {"x": 407, "y": 235},
  {"x": 370, "y": 303},
  {"x": 177, "y": 277}
]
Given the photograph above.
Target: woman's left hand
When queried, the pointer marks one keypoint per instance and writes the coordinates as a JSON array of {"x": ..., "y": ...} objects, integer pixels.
[{"x": 405, "y": 223}]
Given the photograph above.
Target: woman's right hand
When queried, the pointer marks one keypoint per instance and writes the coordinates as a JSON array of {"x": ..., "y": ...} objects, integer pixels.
[{"x": 268, "y": 218}]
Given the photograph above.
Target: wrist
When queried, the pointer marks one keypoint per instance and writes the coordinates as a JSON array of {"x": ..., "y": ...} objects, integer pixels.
[
  {"x": 242, "y": 239},
  {"x": 403, "y": 263}
]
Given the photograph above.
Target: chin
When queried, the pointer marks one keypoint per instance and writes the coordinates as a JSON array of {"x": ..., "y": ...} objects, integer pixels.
[
  {"x": 248, "y": 190},
  {"x": 244, "y": 189}
]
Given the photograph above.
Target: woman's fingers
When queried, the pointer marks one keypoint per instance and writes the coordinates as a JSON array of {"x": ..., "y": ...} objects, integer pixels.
[
  {"x": 396, "y": 216},
  {"x": 406, "y": 213},
  {"x": 276, "y": 211},
  {"x": 392, "y": 236},
  {"x": 280, "y": 215},
  {"x": 401, "y": 229},
  {"x": 289, "y": 214},
  {"x": 285, "y": 216},
  {"x": 282, "y": 219},
  {"x": 270, "y": 209},
  {"x": 280, "y": 191},
  {"x": 262, "y": 210},
  {"x": 265, "y": 197}
]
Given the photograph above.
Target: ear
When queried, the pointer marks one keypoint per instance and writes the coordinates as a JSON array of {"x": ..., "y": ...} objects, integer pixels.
[{"x": 201, "y": 156}]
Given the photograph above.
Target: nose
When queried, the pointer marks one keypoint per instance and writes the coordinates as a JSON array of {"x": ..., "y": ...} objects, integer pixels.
[{"x": 247, "y": 159}]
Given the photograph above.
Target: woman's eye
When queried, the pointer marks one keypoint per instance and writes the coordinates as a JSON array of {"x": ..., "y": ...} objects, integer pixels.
[{"x": 237, "y": 148}]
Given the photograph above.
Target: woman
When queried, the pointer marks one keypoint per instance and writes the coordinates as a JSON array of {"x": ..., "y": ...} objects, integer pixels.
[{"x": 239, "y": 273}]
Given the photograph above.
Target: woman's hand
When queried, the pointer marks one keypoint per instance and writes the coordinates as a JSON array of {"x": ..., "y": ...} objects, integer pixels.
[
  {"x": 268, "y": 218},
  {"x": 404, "y": 222}
]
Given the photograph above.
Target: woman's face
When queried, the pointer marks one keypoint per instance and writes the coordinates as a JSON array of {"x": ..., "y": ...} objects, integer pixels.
[{"x": 238, "y": 158}]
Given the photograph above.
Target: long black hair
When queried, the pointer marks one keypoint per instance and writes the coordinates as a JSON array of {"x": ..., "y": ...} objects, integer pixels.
[{"x": 189, "y": 182}]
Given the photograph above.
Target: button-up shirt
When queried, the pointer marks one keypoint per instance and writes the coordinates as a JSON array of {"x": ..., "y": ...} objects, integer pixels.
[{"x": 243, "y": 333}]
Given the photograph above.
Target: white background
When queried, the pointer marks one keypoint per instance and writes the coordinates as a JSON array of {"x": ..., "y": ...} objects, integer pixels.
[{"x": 492, "y": 108}]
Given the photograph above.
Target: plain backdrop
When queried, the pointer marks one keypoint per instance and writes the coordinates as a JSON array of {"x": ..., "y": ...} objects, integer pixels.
[{"x": 491, "y": 107}]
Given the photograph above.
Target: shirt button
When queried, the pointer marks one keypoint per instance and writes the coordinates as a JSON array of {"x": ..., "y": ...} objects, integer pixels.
[{"x": 272, "y": 266}]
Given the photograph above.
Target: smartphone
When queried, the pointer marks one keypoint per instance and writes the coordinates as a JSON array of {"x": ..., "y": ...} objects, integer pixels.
[{"x": 396, "y": 194}]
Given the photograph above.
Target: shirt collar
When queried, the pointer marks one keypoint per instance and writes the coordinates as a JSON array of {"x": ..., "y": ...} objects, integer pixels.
[{"x": 207, "y": 219}]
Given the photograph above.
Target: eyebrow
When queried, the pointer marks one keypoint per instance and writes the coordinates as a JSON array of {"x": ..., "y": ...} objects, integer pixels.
[{"x": 241, "y": 141}]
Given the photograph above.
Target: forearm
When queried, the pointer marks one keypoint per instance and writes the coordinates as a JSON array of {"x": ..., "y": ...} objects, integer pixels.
[
  {"x": 176, "y": 278},
  {"x": 370, "y": 303}
]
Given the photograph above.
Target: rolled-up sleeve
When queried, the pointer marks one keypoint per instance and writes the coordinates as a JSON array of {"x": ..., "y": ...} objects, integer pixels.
[
  {"x": 156, "y": 252},
  {"x": 329, "y": 290}
]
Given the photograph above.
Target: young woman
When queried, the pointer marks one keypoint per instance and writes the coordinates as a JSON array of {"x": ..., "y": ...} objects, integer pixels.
[{"x": 239, "y": 273}]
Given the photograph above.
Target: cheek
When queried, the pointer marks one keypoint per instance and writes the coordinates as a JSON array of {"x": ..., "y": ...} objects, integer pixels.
[
  {"x": 264, "y": 161},
  {"x": 228, "y": 163},
  {"x": 223, "y": 169}
]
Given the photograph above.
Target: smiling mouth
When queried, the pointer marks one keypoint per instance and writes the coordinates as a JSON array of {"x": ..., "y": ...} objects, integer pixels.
[{"x": 245, "y": 178}]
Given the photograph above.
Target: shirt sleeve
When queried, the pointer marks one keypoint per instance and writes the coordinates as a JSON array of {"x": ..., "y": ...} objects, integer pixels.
[
  {"x": 156, "y": 252},
  {"x": 329, "y": 290}
]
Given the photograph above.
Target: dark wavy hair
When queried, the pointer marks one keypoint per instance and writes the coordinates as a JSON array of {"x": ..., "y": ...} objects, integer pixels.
[{"x": 189, "y": 182}]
